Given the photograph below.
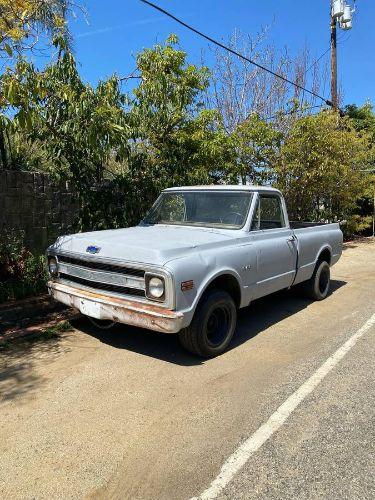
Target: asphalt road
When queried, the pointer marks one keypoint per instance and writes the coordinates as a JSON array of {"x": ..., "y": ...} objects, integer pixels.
[{"x": 127, "y": 414}]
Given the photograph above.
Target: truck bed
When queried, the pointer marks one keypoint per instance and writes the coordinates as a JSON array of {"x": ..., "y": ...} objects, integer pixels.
[{"x": 312, "y": 238}]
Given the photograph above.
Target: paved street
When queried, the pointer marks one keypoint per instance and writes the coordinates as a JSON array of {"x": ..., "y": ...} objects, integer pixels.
[{"x": 128, "y": 414}]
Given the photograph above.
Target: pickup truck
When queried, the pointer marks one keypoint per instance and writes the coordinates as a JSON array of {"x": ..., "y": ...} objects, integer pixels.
[{"x": 199, "y": 255}]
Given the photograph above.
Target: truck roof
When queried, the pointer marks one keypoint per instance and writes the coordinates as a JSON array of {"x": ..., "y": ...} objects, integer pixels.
[{"x": 223, "y": 187}]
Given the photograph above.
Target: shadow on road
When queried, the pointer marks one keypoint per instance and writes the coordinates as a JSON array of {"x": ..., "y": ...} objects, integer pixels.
[
  {"x": 252, "y": 320},
  {"x": 157, "y": 345},
  {"x": 357, "y": 242},
  {"x": 17, "y": 364},
  {"x": 267, "y": 311},
  {"x": 18, "y": 375}
]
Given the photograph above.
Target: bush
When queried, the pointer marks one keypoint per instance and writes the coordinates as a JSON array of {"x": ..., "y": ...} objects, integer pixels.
[
  {"x": 356, "y": 225},
  {"x": 21, "y": 273}
]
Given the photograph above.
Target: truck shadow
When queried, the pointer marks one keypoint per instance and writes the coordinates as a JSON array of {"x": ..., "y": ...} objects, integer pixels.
[
  {"x": 252, "y": 320},
  {"x": 268, "y": 311}
]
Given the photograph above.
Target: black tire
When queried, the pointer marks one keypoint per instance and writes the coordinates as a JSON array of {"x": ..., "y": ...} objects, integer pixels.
[
  {"x": 317, "y": 287},
  {"x": 212, "y": 327}
]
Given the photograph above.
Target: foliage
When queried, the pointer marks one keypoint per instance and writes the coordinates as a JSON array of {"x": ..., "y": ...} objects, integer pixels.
[
  {"x": 239, "y": 89},
  {"x": 112, "y": 145},
  {"x": 120, "y": 150},
  {"x": 174, "y": 141},
  {"x": 21, "y": 272},
  {"x": 356, "y": 224},
  {"x": 363, "y": 118},
  {"x": 78, "y": 126},
  {"x": 23, "y": 21},
  {"x": 257, "y": 146},
  {"x": 320, "y": 167},
  {"x": 26, "y": 25}
]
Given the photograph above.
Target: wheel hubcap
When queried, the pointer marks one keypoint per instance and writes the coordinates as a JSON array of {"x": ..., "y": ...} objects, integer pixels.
[{"x": 217, "y": 326}]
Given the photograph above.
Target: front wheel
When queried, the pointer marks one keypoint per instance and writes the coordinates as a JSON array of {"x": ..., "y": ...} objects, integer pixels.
[
  {"x": 212, "y": 327},
  {"x": 317, "y": 287}
]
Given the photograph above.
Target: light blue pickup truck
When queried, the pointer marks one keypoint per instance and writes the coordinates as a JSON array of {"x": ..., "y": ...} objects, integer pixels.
[{"x": 199, "y": 255}]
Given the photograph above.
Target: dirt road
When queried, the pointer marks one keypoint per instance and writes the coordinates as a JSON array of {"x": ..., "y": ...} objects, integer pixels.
[{"x": 128, "y": 414}]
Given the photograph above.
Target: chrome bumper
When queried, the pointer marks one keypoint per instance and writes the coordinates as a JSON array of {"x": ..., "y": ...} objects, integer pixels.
[{"x": 120, "y": 310}]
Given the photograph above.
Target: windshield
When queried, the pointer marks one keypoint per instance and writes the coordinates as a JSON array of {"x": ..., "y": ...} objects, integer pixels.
[{"x": 201, "y": 208}]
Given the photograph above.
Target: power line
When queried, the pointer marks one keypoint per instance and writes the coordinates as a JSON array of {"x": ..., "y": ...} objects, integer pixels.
[
  {"x": 340, "y": 40},
  {"x": 123, "y": 78},
  {"x": 241, "y": 56},
  {"x": 317, "y": 60},
  {"x": 291, "y": 112},
  {"x": 130, "y": 76}
]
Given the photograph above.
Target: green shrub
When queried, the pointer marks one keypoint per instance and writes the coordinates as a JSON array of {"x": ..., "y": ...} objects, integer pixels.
[
  {"x": 356, "y": 225},
  {"x": 21, "y": 273}
]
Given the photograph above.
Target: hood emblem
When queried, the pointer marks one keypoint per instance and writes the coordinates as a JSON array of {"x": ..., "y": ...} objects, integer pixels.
[{"x": 92, "y": 249}]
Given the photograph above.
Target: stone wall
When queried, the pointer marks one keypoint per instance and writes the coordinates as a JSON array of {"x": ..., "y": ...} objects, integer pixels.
[{"x": 32, "y": 202}]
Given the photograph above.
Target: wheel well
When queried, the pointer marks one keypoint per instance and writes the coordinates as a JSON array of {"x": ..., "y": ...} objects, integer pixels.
[
  {"x": 228, "y": 283},
  {"x": 325, "y": 255}
]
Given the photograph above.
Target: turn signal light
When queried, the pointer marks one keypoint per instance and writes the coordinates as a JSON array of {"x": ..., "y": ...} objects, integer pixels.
[{"x": 187, "y": 285}]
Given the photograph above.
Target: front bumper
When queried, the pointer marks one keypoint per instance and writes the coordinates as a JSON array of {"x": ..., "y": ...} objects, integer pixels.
[{"x": 116, "y": 309}]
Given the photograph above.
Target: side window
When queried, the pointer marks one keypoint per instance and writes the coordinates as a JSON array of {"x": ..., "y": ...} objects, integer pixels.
[{"x": 268, "y": 214}]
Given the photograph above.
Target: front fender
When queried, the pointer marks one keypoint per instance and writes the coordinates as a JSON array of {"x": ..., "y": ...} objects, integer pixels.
[
  {"x": 211, "y": 278},
  {"x": 202, "y": 271}
]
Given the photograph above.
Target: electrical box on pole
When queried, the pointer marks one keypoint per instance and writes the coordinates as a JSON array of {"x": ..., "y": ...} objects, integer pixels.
[
  {"x": 341, "y": 14},
  {"x": 347, "y": 15},
  {"x": 337, "y": 8}
]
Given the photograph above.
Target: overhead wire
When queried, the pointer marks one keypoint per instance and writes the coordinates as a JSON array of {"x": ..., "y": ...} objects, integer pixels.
[
  {"x": 234, "y": 52},
  {"x": 340, "y": 40},
  {"x": 130, "y": 76},
  {"x": 291, "y": 112}
]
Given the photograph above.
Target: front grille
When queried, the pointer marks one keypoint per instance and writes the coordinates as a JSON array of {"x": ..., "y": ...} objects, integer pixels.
[
  {"x": 135, "y": 292},
  {"x": 101, "y": 266}
]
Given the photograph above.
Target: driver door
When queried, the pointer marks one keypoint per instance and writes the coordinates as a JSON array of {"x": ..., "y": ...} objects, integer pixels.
[{"x": 275, "y": 246}]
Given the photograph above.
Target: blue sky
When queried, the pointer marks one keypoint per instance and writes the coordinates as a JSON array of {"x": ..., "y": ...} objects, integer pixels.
[{"x": 117, "y": 30}]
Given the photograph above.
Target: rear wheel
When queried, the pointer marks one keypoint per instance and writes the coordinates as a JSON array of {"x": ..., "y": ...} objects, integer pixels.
[
  {"x": 317, "y": 287},
  {"x": 213, "y": 325}
]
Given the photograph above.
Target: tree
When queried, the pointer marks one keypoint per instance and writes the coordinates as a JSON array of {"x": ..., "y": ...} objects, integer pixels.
[
  {"x": 78, "y": 126},
  {"x": 320, "y": 167},
  {"x": 363, "y": 119},
  {"x": 257, "y": 147},
  {"x": 174, "y": 141},
  {"x": 22, "y": 22},
  {"x": 118, "y": 149},
  {"x": 240, "y": 89}
]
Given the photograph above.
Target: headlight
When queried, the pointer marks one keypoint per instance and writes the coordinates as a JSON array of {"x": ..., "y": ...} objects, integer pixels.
[
  {"x": 53, "y": 267},
  {"x": 155, "y": 288}
]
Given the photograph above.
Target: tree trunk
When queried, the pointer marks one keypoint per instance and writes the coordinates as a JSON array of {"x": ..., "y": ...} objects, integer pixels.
[{"x": 3, "y": 151}]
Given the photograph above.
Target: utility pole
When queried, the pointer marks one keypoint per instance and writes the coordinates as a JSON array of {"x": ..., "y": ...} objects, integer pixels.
[
  {"x": 334, "y": 97},
  {"x": 340, "y": 15}
]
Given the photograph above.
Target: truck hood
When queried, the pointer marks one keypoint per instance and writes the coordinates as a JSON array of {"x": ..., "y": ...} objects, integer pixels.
[{"x": 144, "y": 244}]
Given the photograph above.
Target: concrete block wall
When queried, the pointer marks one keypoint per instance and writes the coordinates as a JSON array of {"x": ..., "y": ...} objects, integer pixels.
[{"x": 34, "y": 203}]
